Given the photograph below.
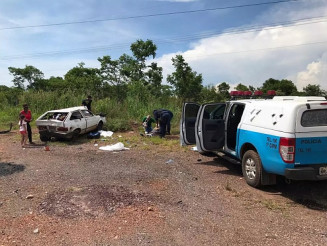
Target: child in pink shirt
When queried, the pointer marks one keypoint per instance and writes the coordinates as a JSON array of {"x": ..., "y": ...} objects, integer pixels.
[{"x": 22, "y": 129}]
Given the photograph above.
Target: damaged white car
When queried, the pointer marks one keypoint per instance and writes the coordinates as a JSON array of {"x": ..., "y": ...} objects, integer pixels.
[{"x": 68, "y": 123}]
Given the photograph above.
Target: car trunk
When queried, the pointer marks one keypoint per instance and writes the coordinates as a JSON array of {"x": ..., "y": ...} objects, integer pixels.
[{"x": 49, "y": 125}]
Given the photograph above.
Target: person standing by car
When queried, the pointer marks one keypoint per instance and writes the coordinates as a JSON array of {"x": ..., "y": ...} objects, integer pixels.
[
  {"x": 87, "y": 102},
  {"x": 163, "y": 118},
  {"x": 28, "y": 118}
]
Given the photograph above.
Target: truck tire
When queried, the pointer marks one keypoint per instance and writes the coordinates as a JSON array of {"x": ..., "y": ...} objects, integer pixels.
[{"x": 252, "y": 168}]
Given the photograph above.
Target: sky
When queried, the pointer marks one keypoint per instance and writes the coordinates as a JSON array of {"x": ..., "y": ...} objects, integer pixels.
[{"x": 233, "y": 41}]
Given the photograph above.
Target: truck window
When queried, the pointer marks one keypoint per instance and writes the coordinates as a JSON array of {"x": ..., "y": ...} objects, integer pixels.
[
  {"x": 214, "y": 112},
  {"x": 311, "y": 118}
]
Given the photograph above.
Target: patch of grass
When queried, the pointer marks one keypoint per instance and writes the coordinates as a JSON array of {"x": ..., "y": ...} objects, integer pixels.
[{"x": 273, "y": 205}]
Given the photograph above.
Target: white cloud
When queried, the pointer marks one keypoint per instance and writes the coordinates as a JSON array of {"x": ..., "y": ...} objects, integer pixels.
[
  {"x": 315, "y": 73},
  {"x": 294, "y": 52}
]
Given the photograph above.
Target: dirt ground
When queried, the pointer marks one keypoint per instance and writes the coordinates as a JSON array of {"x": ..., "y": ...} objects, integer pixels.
[{"x": 155, "y": 193}]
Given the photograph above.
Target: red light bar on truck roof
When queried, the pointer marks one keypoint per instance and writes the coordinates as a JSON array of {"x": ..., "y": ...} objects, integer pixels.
[
  {"x": 271, "y": 93},
  {"x": 258, "y": 93}
]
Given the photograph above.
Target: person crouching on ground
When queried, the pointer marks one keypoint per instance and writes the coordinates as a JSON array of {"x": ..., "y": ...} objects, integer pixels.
[
  {"x": 22, "y": 129},
  {"x": 147, "y": 123}
]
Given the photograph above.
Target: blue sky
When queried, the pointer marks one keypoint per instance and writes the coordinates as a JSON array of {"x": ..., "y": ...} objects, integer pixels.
[{"x": 233, "y": 44}]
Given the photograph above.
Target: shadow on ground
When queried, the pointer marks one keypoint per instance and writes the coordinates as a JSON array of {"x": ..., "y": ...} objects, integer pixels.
[
  {"x": 9, "y": 168},
  {"x": 230, "y": 168},
  {"x": 311, "y": 194}
]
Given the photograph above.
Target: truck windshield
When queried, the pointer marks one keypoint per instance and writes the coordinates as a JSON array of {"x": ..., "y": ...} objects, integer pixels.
[{"x": 311, "y": 118}]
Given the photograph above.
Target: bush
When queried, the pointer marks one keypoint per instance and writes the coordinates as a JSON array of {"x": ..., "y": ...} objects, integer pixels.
[{"x": 116, "y": 125}]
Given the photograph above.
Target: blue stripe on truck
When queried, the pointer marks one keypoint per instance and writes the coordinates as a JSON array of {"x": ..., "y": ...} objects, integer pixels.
[{"x": 268, "y": 148}]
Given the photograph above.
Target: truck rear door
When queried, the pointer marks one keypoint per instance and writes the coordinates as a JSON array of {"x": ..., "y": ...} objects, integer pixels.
[
  {"x": 210, "y": 127},
  {"x": 187, "y": 125},
  {"x": 311, "y": 135}
]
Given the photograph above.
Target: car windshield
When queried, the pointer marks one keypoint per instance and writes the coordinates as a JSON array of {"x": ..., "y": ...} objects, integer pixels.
[{"x": 61, "y": 116}]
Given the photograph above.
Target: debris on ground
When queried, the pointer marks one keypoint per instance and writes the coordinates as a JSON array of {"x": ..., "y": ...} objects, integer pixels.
[
  {"x": 114, "y": 147},
  {"x": 106, "y": 134}
]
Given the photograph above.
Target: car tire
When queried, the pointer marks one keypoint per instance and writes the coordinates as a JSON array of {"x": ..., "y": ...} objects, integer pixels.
[
  {"x": 75, "y": 135},
  {"x": 252, "y": 168},
  {"x": 44, "y": 138}
]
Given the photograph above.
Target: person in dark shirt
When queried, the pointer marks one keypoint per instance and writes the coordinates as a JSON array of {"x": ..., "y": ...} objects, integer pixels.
[
  {"x": 163, "y": 118},
  {"x": 87, "y": 102}
]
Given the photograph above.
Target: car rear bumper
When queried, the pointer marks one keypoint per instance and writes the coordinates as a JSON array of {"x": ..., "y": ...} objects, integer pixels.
[
  {"x": 57, "y": 134},
  {"x": 304, "y": 173}
]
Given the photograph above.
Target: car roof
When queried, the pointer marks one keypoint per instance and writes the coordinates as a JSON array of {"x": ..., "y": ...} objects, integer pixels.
[{"x": 66, "y": 110}]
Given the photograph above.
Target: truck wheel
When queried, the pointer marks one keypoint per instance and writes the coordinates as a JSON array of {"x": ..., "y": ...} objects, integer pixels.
[
  {"x": 100, "y": 126},
  {"x": 252, "y": 168},
  {"x": 44, "y": 138}
]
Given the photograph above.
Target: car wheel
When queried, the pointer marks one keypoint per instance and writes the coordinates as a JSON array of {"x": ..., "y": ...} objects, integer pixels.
[
  {"x": 252, "y": 168},
  {"x": 100, "y": 126},
  {"x": 44, "y": 138},
  {"x": 75, "y": 135}
]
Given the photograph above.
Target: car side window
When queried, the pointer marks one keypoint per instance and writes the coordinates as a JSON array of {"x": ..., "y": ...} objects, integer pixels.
[
  {"x": 87, "y": 113},
  {"x": 76, "y": 115}
]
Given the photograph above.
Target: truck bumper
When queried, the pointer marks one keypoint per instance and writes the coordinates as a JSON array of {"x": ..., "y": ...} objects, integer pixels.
[{"x": 304, "y": 173}]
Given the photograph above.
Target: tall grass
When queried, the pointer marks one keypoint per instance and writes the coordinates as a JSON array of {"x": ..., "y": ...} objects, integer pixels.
[{"x": 120, "y": 115}]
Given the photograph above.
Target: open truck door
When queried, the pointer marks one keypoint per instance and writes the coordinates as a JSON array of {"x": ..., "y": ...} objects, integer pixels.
[
  {"x": 187, "y": 125},
  {"x": 210, "y": 127}
]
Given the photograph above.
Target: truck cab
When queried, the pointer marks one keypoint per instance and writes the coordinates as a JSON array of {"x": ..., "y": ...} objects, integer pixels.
[{"x": 280, "y": 136}]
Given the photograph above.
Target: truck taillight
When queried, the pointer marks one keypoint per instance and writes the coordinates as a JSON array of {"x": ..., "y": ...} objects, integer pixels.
[
  {"x": 287, "y": 149},
  {"x": 62, "y": 129}
]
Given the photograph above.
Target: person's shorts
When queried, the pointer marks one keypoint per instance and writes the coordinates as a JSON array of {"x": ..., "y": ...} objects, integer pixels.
[{"x": 23, "y": 132}]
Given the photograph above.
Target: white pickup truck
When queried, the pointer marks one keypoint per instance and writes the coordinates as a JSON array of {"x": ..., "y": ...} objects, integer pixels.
[
  {"x": 284, "y": 136},
  {"x": 68, "y": 123}
]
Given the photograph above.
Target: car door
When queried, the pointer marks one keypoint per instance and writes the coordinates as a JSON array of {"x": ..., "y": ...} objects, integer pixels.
[
  {"x": 187, "y": 125},
  {"x": 77, "y": 121},
  {"x": 91, "y": 120},
  {"x": 210, "y": 127}
]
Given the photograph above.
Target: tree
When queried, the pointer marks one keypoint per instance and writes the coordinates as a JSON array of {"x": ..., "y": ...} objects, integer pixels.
[
  {"x": 210, "y": 94},
  {"x": 154, "y": 78},
  {"x": 188, "y": 84},
  {"x": 223, "y": 89},
  {"x": 29, "y": 74},
  {"x": 141, "y": 51},
  {"x": 282, "y": 87},
  {"x": 313, "y": 90},
  {"x": 241, "y": 87},
  {"x": 112, "y": 74},
  {"x": 84, "y": 79}
]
